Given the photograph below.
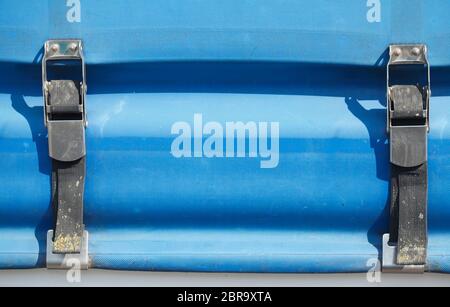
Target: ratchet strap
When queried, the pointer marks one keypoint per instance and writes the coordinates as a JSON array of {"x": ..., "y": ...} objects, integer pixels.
[
  {"x": 409, "y": 177},
  {"x": 67, "y": 150},
  {"x": 405, "y": 247},
  {"x": 65, "y": 119}
]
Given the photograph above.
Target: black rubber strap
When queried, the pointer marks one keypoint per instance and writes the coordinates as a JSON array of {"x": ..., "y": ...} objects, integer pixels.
[
  {"x": 67, "y": 198},
  {"x": 409, "y": 214},
  {"x": 409, "y": 183},
  {"x": 68, "y": 165}
]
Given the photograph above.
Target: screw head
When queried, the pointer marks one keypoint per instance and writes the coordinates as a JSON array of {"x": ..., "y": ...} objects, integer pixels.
[
  {"x": 396, "y": 52},
  {"x": 54, "y": 47},
  {"x": 73, "y": 47},
  {"x": 415, "y": 51}
]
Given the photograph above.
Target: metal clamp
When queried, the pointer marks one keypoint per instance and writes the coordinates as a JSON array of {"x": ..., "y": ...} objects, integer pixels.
[
  {"x": 67, "y": 261},
  {"x": 389, "y": 260},
  {"x": 408, "y": 55},
  {"x": 61, "y": 116},
  {"x": 64, "y": 50}
]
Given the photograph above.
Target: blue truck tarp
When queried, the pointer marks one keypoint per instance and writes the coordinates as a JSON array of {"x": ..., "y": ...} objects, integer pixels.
[{"x": 312, "y": 73}]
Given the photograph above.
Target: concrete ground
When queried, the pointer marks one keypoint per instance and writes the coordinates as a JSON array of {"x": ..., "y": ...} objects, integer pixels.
[{"x": 42, "y": 277}]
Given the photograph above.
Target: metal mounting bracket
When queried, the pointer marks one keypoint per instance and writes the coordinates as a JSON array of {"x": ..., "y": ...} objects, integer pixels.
[
  {"x": 68, "y": 261},
  {"x": 64, "y": 50},
  {"x": 408, "y": 55},
  {"x": 390, "y": 263}
]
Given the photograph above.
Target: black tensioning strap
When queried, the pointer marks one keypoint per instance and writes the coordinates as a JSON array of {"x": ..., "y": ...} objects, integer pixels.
[
  {"x": 67, "y": 151},
  {"x": 67, "y": 200},
  {"x": 409, "y": 172},
  {"x": 408, "y": 227}
]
